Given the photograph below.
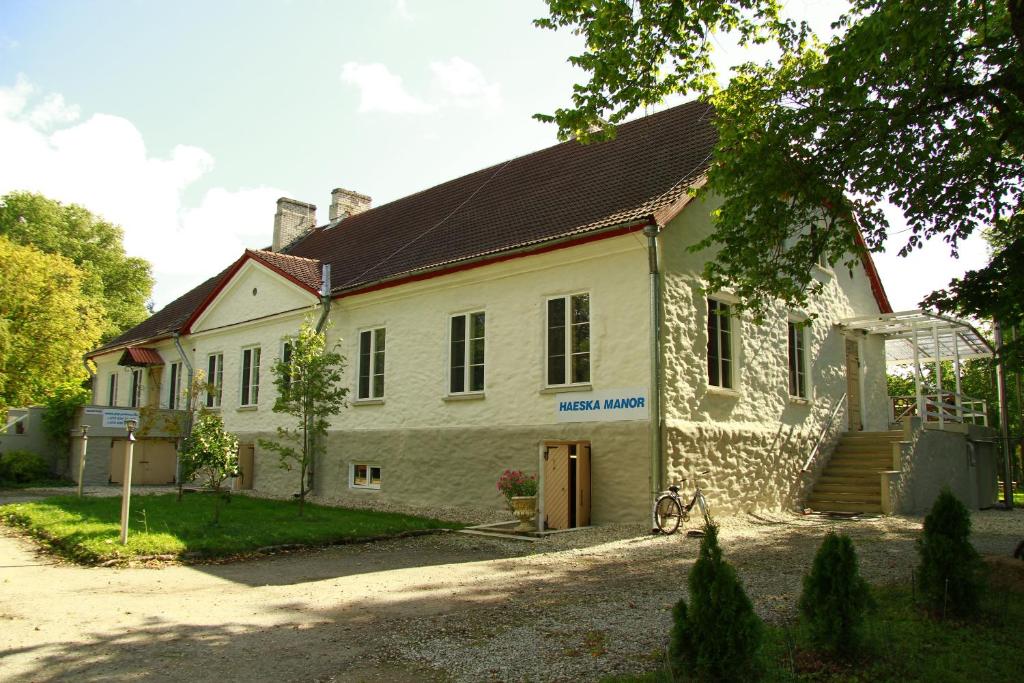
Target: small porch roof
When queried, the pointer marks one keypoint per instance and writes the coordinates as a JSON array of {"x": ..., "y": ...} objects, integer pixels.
[
  {"x": 140, "y": 356},
  {"x": 938, "y": 337}
]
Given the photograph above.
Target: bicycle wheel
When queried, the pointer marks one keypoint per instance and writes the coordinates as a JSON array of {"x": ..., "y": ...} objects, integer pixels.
[
  {"x": 667, "y": 514},
  {"x": 702, "y": 503}
]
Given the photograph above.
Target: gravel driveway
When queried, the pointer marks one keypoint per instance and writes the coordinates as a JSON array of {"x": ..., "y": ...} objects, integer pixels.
[{"x": 444, "y": 607}]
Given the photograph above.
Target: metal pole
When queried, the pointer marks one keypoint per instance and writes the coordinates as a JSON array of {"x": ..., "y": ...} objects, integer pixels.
[
  {"x": 1004, "y": 417},
  {"x": 917, "y": 375},
  {"x": 657, "y": 461},
  {"x": 938, "y": 376},
  {"x": 81, "y": 458},
  {"x": 126, "y": 491}
]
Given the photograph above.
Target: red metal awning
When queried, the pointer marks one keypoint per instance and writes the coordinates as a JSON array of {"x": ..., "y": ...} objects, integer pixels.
[{"x": 140, "y": 356}]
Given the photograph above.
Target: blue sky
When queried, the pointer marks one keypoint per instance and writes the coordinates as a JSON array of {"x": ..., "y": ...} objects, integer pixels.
[{"x": 185, "y": 121}]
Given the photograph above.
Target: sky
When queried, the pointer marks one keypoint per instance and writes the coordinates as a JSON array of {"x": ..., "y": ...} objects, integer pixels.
[{"x": 184, "y": 122}]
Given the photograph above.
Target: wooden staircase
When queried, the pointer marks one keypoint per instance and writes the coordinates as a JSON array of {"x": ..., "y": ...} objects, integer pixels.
[{"x": 851, "y": 482}]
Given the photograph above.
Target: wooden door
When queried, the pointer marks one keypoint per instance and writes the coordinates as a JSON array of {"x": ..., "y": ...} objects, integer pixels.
[
  {"x": 118, "y": 447},
  {"x": 156, "y": 460},
  {"x": 246, "y": 460},
  {"x": 583, "y": 485},
  {"x": 853, "y": 385},
  {"x": 556, "y": 487}
]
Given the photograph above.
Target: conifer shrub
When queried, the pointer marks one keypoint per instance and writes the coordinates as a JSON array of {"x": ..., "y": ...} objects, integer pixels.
[
  {"x": 950, "y": 570},
  {"x": 717, "y": 637},
  {"x": 835, "y": 597}
]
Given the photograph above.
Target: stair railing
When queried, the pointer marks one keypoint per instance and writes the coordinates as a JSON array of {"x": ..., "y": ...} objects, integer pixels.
[{"x": 821, "y": 435}]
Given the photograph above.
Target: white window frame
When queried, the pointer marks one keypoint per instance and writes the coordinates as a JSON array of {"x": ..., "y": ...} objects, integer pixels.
[
  {"x": 174, "y": 385},
  {"x": 251, "y": 398},
  {"x": 733, "y": 345},
  {"x": 802, "y": 366},
  {"x": 467, "y": 351},
  {"x": 372, "y": 372},
  {"x": 135, "y": 388},
  {"x": 215, "y": 379},
  {"x": 112, "y": 390},
  {"x": 369, "y": 486},
  {"x": 286, "y": 357},
  {"x": 567, "y": 371}
]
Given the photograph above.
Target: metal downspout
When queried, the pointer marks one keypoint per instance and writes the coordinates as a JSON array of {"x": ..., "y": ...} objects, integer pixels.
[
  {"x": 325, "y": 304},
  {"x": 657, "y": 464},
  {"x": 188, "y": 407}
]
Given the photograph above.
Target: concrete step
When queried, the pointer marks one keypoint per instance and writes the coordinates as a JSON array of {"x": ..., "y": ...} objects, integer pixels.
[
  {"x": 863, "y": 471},
  {"x": 864, "y": 447},
  {"x": 866, "y": 480},
  {"x": 895, "y": 435},
  {"x": 837, "y": 506},
  {"x": 847, "y": 496},
  {"x": 860, "y": 458},
  {"x": 847, "y": 487}
]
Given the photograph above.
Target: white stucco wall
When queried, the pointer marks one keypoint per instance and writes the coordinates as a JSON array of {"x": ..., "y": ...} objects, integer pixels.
[{"x": 755, "y": 438}]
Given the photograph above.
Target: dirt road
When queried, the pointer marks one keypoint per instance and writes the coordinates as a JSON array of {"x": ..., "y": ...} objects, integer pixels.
[{"x": 444, "y": 607}]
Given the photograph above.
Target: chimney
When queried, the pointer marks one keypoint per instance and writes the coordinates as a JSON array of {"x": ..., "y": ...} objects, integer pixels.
[
  {"x": 292, "y": 220},
  {"x": 345, "y": 203}
]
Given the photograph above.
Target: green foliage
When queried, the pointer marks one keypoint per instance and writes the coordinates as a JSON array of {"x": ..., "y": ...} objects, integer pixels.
[
  {"x": 718, "y": 636},
  {"x": 47, "y": 324},
  {"x": 83, "y": 528},
  {"x": 210, "y": 453},
  {"x": 950, "y": 570},
  {"x": 23, "y": 467},
  {"x": 115, "y": 284},
  {"x": 60, "y": 411},
  {"x": 309, "y": 388},
  {"x": 933, "y": 91},
  {"x": 835, "y": 597}
]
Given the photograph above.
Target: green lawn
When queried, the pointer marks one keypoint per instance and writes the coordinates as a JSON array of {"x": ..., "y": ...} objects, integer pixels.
[
  {"x": 87, "y": 529},
  {"x": 904, "y": 645}
]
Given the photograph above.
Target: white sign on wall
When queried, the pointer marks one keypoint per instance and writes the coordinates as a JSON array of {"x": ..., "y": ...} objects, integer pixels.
[
  {"x": 602, "y": 406},
  {"x": 113, "y": 417}
]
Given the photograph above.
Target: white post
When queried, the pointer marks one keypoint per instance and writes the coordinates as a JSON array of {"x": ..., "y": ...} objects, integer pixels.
[
  {"x": 917, "y": 375},
  {"x": 81, "y": 457},
  {"x": 956, "y": 371},
  {"x": 126, "y": 491},
  {"x": 941, "y": 400}
]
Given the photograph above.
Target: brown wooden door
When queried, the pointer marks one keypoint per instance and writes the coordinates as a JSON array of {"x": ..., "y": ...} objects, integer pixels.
[
  {"x": 853, "y": 386},
  {"x": 246, "y": 460},
  {"x": 556, "y": 487},
  {"x": 118, "y": 448},
  {"x": 583, "y": 485}
]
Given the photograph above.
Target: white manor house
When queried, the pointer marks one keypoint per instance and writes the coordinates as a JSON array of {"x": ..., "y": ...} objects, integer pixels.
[{"x": 546, "y": 314}]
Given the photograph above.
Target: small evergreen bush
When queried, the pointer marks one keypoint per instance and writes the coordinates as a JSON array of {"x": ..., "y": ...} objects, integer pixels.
[
  {"x": 23, "y": 467},
  {"x": 950, "y": 570},
  {"x": 718, "y": 636},
  {"x": 835, "y": 597}
]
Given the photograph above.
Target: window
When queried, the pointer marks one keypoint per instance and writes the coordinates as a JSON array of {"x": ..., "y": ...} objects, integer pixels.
[
  {"x": 467, "y": 353},
  {"x": 286, "y": 358},
  {"x": 720, "y": 367},
  {"x": 214, "y": 379},
  {"x": 174, "y": 389},
  {"x": 250, "y": 376},
  {"x": 364, "y": 476},
  {"x": 568, "y": 341},
  {"x": 112, "y": 390},
  {"x": 136, "y": 396},
  {"x": 371, "y": 364},
  {"x": 797, "y": 360}
]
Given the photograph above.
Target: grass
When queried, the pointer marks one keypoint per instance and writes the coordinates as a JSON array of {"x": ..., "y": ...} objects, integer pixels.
[
  {"x": 38, "y": 483},
  {"x": 904, "y": 644},
  {"x": 87, "y": 530}
]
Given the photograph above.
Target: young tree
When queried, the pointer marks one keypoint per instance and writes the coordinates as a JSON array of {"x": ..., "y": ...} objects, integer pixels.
[
  {"x": 210, "y": 453},
  {"x": 117, "y": 284},
  {"x": 920, "y": 104},
  {"x": 308, "y": 380},
  {"x": 835, "y": 597},
  {"x": 950, "y": 570}
]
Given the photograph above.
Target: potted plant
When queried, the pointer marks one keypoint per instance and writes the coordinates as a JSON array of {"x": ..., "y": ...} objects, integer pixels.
[{"x": 521, "y": 492}]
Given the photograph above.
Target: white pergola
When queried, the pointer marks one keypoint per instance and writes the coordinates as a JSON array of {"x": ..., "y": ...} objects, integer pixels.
[{"x": 913, "y": 337}]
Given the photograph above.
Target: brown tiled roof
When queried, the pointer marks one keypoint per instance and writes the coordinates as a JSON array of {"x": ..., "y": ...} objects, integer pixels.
[
  {"x": 304, "y": 270},
  {"x": 562, "y": 191}
]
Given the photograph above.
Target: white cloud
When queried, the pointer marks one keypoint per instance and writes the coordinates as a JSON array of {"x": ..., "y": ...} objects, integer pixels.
[
  {"x": 102, "y": 163},
  {"x": 464, "y": 85},
  {"x": 401, "y": 10},
  {"x": 381, "y": 90},
  {"x": 453, "y": 83}
]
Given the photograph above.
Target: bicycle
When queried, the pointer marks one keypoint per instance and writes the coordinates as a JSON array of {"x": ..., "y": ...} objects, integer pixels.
[{"x": 669, "y": 509}]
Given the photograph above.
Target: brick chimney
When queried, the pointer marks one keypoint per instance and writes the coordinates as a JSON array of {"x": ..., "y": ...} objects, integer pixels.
[
  {"x": 292, "y": 220},
  {"x": 345, "y": 203}
]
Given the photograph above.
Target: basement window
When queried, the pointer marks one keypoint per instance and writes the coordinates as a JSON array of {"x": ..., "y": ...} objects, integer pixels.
[{"x": 364, "y": 476}]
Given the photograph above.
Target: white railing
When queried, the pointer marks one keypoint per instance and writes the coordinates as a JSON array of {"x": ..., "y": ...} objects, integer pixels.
[
  {"x": 948, "y": 406},
  {"x": 821, "y": 435}
]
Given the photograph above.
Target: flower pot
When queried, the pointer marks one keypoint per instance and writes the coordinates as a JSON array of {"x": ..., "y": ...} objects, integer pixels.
[{"x": 525, "y": 509}]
